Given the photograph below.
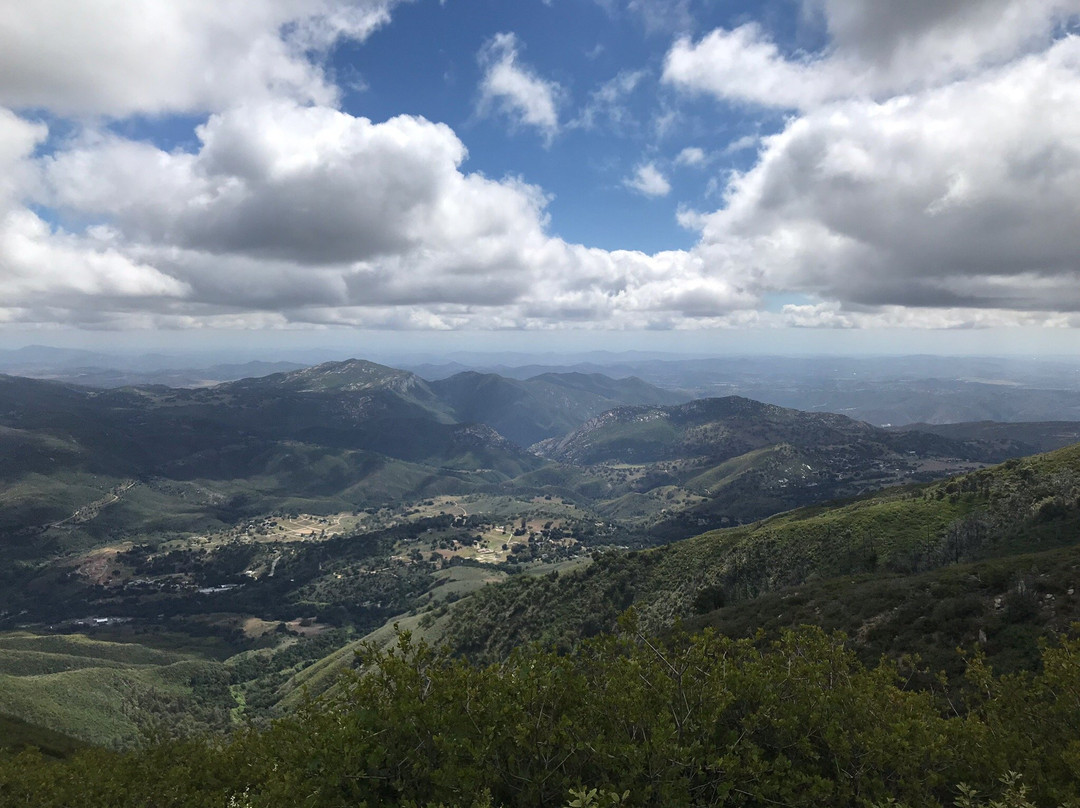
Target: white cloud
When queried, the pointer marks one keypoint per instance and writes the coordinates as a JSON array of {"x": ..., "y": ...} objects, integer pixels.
[
  {"x": 309, "y": 186},
  {"x": 156, "y": 56},
  {"x": 833, "y": 315},
  {"x": 741, "y": 144},
  {"x": 691, "y": 156},
  {"x": 905, "y": 40},
  {"x": 39, "y": 266},
  {"x": 327, "y": 218},
  {"x": 930, "y": 180},
  {"x": 280, "y": 181},
  {"x": 876, "y": 50},
  {"x": 648, "y": 180},
  {"x": 516, "y": 90},
  {"x": 963, "y": 196},
  {"x": 745, "y": 65},
  {"x": 18, "y": 139},
  {"x": 289, "y": 211}
]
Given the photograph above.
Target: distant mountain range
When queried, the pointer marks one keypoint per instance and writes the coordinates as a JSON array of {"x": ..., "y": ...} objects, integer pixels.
[
  {"x": 722, "y": 461},
  {"x": 882, "y": 390},
  {"x": 353, "y": 433},
  {"x": 719, "y": 429},
  {"x": 886, "y": 390}
]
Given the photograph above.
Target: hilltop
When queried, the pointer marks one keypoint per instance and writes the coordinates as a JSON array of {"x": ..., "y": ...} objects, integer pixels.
[
  {"x": 722, "y": 461},
  {"x": 544, "y": 406}
]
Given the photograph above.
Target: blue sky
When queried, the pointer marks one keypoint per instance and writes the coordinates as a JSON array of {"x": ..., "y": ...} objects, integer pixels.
[
  {"x": 837, "y": 175},
  {"x": 583, "y": 48}
]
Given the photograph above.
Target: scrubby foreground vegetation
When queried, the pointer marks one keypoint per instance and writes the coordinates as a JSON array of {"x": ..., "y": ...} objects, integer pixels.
[{"x": 622, "y": 720}]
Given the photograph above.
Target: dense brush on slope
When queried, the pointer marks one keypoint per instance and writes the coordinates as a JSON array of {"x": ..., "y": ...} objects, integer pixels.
[
  {"x": 701, "y": 721},
  {"x": 1021, "y": 506},
  {"x": 1006, "y": 607}
]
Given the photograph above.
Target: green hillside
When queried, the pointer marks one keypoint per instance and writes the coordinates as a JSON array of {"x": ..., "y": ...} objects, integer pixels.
[
  {"x": 626, "y": 720},
  {"x": 675, "y": 471},
  {"x": 105, "y": 693},
  {"x": 1018, "y": 507},
  {"x": 330, "y": 437},
  {"x": 17, "y": 735},
  {"x": 82, "y": 466},
  {"x": 1005, "y": 606}
]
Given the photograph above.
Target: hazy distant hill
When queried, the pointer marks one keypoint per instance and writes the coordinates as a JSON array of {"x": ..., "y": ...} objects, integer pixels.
[
  {"x": 530, "y": 410},
  {"x": 350, "y": 376},
  {"x": 881, "y": 389},
  {"x": 1033, "y": 437},
  {"x": 524, "y": 411},
  {"x": 344, "y": 434},
  {"x": 103, "y": 370},
  {"x": 724, "y": 428},
  {"x": 721, "y": 461}
]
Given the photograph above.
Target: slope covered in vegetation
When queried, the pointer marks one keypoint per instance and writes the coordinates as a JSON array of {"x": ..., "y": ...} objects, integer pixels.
[
  {"x": 1021, "y": 506},
  {"x": 699, "y": 721}
]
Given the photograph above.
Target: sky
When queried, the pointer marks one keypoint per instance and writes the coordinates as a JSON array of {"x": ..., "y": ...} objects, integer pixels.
[{"x": 784, "y": 175}]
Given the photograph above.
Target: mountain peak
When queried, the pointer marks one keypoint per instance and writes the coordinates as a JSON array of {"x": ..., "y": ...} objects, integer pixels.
[{"x": 350, "y": 375}]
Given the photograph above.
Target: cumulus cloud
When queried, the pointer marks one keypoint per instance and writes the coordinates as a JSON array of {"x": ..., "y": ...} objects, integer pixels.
[
  {"x": 928, "y": 178},
  {"x": 876, "y": 50},
  {"x": 366, "y": 207},
  {"x": 744, "y": 64},
  {"x": 515, "y": 89},
  {"x": 157, "y": 56},
  {"x": 290, "y": 211},
  {"x": 280, "y": 181},
  {"x": 963, "y": 196},
  {"x": 330, "y": 219},
  {"x": 648, "y": 180},
  {"x": 905, "y": 39},
  {"x": 691, "y": 156},
  {"x": 18, "y": 139},
  {"x": 39, "y": 266}
]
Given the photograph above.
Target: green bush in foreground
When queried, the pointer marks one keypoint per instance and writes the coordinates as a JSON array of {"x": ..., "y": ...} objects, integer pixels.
[{"x": 703, "y": 720}]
